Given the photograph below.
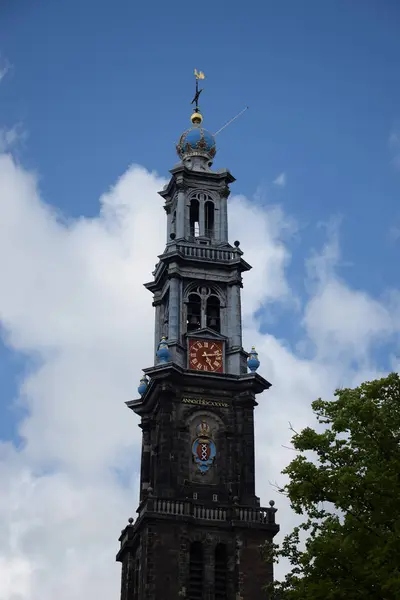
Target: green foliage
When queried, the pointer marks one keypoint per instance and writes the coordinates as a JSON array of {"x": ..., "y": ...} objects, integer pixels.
[{"x": 349, "y": 498}]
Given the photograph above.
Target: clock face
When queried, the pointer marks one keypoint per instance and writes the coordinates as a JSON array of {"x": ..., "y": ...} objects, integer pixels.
[{"x": 205, "y": 355}]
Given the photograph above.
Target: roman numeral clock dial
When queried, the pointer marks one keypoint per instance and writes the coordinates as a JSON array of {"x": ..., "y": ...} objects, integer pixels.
[{"x": 206, "y": 355}]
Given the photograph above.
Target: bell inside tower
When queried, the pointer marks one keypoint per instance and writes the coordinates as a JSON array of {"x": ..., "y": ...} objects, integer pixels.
[
  {"x": 194, "y": 312},
  {"x": 213, "y": 313}
]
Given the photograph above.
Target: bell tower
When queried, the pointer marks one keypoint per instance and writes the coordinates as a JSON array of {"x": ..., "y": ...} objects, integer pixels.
[{"x": 199, "y": 522}]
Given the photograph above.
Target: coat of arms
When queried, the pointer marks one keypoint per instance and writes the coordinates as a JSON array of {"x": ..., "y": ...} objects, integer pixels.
[{"x": 203, "y": 448}]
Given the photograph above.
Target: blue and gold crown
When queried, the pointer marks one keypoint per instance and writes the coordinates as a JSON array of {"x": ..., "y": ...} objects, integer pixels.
[{"x": 196, "y": 141}]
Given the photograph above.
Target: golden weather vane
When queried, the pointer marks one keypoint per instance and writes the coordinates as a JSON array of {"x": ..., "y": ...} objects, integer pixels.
[
  {"x": 198, "y": 75},
  {"x": 196, "y": 117}
]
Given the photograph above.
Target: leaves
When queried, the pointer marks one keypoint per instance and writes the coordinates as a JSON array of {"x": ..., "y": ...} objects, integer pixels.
[{"x": 349, "y": 495}]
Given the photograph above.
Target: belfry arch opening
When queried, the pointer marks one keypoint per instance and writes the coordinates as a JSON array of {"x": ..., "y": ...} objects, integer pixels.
[
  {"x": 209, "y": 219},
  {"x": 193, "y": 312},
  {"x": 194, "y": 216},
  {"x": 203, "y": 309},
  {"x": 213, "y": 310}
]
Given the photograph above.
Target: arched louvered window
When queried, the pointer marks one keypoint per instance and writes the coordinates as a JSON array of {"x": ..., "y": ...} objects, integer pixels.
[
  {"x": 196, "y": 571},
  {"x": 213, "y": 313},
  {"x": 221, "y": 572}
]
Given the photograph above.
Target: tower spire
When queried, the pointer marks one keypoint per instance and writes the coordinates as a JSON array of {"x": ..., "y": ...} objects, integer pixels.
[{"x": 200, "y": 523}]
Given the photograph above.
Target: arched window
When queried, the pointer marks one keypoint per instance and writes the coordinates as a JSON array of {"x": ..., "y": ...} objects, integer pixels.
[
  {"x": 213, "y": 313},
  {"x": 193, "y": 313},
  {"x": 203, "y": 308},
  {"x": 209, "y": 219},
  {"x": 194, "y": 218},
  {"x": 196, "y": 568},
  {"x": 221, "y": 572}
]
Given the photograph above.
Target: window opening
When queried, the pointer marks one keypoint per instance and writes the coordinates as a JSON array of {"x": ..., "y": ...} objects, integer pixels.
[
  {"x": 213, "y": 313},
  {"x": 194, "y": 218},
  {"x": 221, "y": 572},
  {"x": 203, "y": 309},
  {"x": 194, "y": 312},
  {"x": 196, "y": 571},
  {"x": 209, "y": 219}
]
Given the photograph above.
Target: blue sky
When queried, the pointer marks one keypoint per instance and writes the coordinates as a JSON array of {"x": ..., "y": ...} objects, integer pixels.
[
  {"x": 93, "y": 87},
  {"x": 97, "y": 86}
]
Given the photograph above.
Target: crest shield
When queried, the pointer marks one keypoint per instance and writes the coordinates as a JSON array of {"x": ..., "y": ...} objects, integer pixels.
[{"x": 203, "y": 448}]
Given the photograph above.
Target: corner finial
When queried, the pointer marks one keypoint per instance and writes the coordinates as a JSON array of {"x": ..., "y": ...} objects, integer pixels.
[
  {"x": 252, "y": 362},
  {"x": 143, "y": 385},
  {"x": 163, "y": 353},
  {"x": 197, "y": 117}
]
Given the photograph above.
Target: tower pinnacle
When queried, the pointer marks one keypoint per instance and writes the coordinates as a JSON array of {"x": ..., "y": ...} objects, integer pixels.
[{"x": 196, "y": 146}]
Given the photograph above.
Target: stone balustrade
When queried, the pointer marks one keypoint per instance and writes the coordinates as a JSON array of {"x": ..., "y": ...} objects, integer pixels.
[
  {"x": 190, "y": 508},
  {"x": 207, "y": 252}
]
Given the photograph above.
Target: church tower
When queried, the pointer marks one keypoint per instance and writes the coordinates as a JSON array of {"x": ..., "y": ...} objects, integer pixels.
[{"x": 199, "y": 523}]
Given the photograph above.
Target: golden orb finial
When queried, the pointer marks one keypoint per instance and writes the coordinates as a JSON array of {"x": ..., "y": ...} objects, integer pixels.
[{"x": 196, "y": 118}]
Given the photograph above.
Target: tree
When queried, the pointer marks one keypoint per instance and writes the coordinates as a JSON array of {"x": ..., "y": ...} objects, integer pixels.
[{"x": 349, "y": 498}]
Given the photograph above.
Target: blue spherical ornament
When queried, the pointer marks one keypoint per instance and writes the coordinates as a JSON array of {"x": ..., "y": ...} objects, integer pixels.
[
  {"x": 144, "y": 382},
  {"x": 252, "y": 362},
  {"x": 196, "y": 141},
  {"x": 163, "y": 353}
]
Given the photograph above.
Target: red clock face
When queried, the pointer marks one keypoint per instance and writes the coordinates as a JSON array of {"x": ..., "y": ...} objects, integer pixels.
[{"x": 205, "y": 355}]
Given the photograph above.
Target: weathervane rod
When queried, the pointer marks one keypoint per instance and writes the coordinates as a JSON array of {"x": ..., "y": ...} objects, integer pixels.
[
  {"x": 231, "y": 120},
  {"x": 195, "y": 101}
]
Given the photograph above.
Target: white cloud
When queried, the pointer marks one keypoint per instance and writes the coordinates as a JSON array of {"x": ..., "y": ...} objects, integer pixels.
[
  {"x": 9, "y": 138},
  {"x": 4, "y": 68},
  {"x": 280, "y": 180},
  {"x": 340, "y": 321},
  {"x": 71, "y": 296},
  {"x": 260, "y": 232}
]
